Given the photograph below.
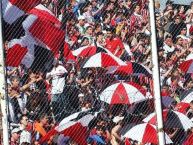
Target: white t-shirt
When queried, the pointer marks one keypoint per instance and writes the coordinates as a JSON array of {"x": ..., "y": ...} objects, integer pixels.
[
  {"x": 58, "y": 79},
  {"x": 168, "y": 48},
  {"x": 25, "y": 136}
]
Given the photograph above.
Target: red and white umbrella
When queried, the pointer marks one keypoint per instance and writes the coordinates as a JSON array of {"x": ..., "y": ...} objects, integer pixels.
[
  {"x": 75, "y": 126},
  {"x": 123, "y": 93},
  {"x": 145, "y": 133},
  {"x": 172, "y": 119},
  {"x": 182, "y": 107},
  {"x": 102, "y": 60},
  {"x": 131, "y": 68},
  {"x": 187, "y": 66},
  {"x": 188, "y": 97}
]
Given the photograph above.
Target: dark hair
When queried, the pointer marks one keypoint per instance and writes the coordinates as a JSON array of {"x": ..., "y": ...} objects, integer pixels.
[
  {"x": 111, "y": 29},
  {"x": 42, "y": 116},
  {"x": 175, "y": 78},
  {"x": 191, "y": 3},
  {"x": 88, "y": 27},
  {"x": 84, "y": 38},
  {"x": 99, "y": 33},
  {"x": 14, "y": 78},
  {"x": 168, "y": 36},
  {"x": 22, "y": 116}
]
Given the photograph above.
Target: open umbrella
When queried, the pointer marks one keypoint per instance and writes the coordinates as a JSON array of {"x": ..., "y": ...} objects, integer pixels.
[
  {"x": 74, "y": 126},
  {"x": 145, "y": 133},
  {"x": 187, "y": 66},
  {"x": 123, "y": 93},
  {"x": 172, "y": 119},
  {"x": 102, "y": 60},
  {"x": 187, "y": 96},
  {"x": 182, "y": 107},
  {"x": 131, "y": 68}
]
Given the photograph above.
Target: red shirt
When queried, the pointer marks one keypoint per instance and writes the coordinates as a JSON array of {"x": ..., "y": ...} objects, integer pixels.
[
  {"x": 113, "y": 45},
  {"x": 135, "y": 22}
]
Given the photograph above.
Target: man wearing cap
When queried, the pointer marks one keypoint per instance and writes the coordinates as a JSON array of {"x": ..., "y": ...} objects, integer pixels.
[
  {"x": 80, "y": 25},
  {"x": 15, "y": 134}
]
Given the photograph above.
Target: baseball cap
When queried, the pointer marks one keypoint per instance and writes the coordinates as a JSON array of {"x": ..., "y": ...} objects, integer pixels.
[
  {"x": 15, "y": 130},
  {"x": 81, "y": 95},
  {"x": 81, "y": 18}
]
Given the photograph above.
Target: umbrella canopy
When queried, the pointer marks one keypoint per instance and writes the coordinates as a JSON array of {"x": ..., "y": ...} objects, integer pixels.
[
  {"x": 145, "y": 133},
  {"x": 182, "y": 107},
  {"x": 72, "y": 126},
  {"x": 131, "y": 68},
  {"x": 172, "y": 119},
  {"x": 102, "y": 60},
  {"x": 190, "y": 56},
  {"x": 187, "y": 66},
  {"x": 187, "y": 96},
  {"x": 123, "y": 93}
]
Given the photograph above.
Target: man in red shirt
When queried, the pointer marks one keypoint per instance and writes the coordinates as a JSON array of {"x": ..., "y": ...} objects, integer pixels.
[
  {"x": 136, "y": 20},
  {"x": 114, "y": 43}
]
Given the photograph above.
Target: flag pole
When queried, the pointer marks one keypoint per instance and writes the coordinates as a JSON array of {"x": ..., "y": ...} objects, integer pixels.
[
  {"x": 3, "y": 92},
  {"x": 156, "y": 75}
]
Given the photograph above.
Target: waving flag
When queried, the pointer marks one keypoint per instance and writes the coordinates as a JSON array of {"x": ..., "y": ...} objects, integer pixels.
[
  {"x": 45, "y": 33},
  {"x": 14, "y": 9},
  {"x": 42, "y": 12},
  {"x": 15, "y": 55},
  {"x": 68, "y": 53},
  {"x": 21, "y": 51}
]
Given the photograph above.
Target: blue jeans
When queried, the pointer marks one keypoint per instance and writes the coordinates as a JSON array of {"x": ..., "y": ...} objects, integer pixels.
[{"x": 58, "y": 103}]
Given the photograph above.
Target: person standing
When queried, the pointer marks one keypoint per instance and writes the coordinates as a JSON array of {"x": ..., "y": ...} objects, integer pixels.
[
  {"x": 114, "y": 43},
  {"x": 25, "y": 135},
  {"x": 15, "y": 136},
  {"x": 57, "y": 76}
]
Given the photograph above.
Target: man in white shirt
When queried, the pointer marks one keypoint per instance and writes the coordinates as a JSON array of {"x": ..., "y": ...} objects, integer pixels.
[
  {"x": 25, "y": 135},
  {"x": 81, "y": 24},
  {"x": 168, "y": 45},
  {"x": 57, "y": 76}
]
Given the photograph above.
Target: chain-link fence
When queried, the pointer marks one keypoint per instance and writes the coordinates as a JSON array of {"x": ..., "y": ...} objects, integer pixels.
[{"x": 79, "y": 72}]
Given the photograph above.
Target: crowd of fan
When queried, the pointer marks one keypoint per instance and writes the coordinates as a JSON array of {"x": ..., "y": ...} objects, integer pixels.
[{"x": 38, "y": 100}]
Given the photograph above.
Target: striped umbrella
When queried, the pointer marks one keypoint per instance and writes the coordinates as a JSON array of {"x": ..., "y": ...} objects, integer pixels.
[
  {"x": 102, "y": 60},
  {"x": 123, "y": 93},
  {"x": 145, "y": 133},
  {"x": 172, "y": 119},
  {"x": 132, "y": 68},
  {"x": 187, "y": 96},
  {"x": 187, "y": 66}
]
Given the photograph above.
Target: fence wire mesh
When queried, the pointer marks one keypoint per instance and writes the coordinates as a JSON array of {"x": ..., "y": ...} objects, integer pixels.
[{"x": 79, "y": 71}]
